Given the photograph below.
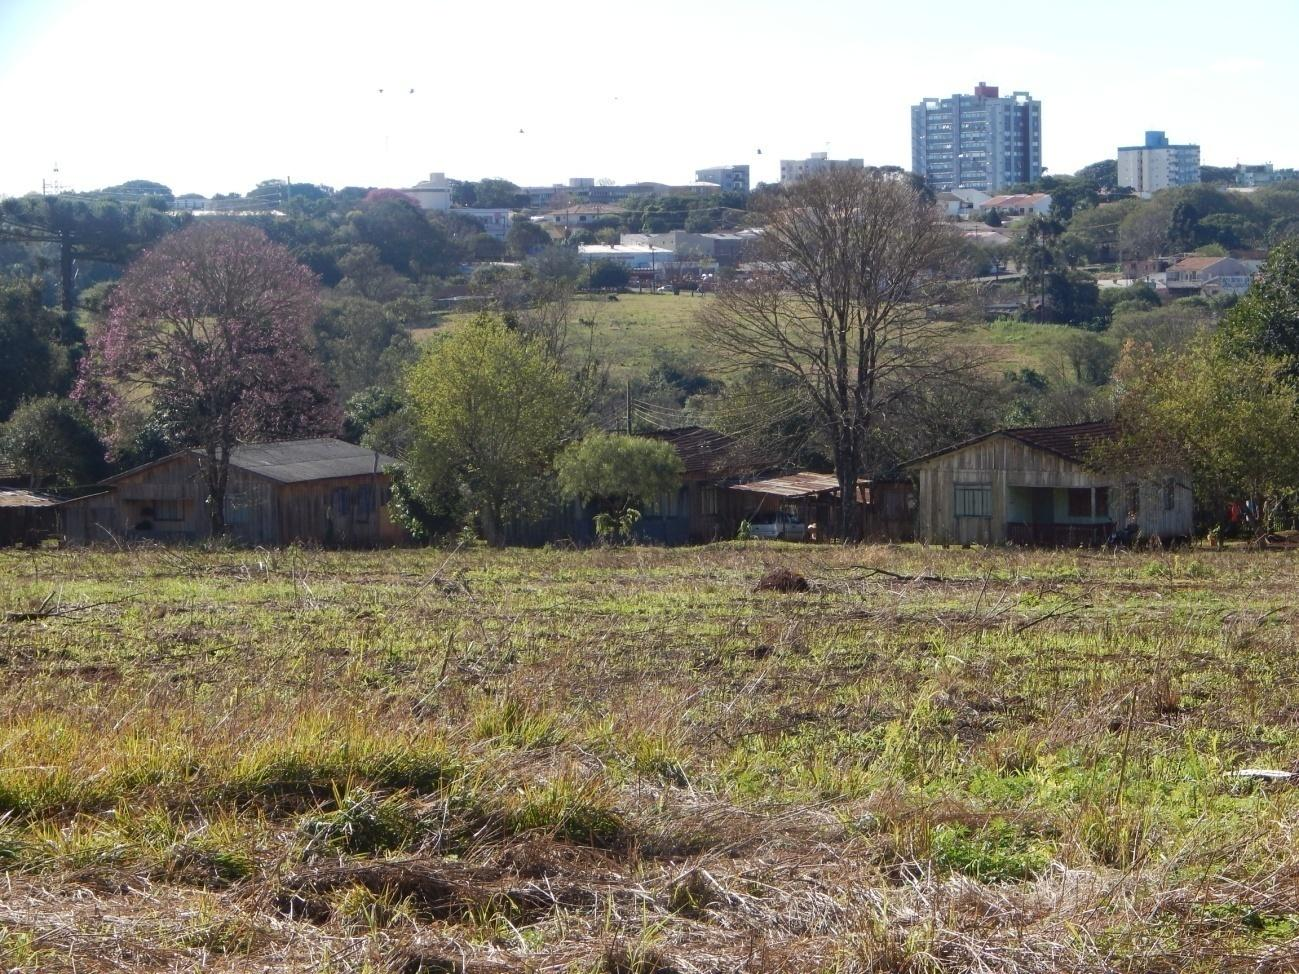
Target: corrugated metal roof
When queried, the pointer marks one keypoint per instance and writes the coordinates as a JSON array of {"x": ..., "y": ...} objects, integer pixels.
[
  {"x": 25, "y": 498},
  {"x": 295, "y": 461},
  {"x": 291, "y": 461},
  {"x": 792, "y": 485}
]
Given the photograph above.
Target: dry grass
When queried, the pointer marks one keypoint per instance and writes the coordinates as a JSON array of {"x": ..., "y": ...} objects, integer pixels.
[{"x": 628, "y": 760}]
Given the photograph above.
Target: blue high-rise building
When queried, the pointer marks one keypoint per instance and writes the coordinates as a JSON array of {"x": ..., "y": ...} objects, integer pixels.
[{"x": 982, "y": 141}]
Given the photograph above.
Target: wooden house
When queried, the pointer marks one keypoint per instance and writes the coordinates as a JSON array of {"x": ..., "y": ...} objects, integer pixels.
[
  {"x": 322, "y": 491},
  {"x": 1034, "y": 486},
  {"x": 695, "y": 512}
]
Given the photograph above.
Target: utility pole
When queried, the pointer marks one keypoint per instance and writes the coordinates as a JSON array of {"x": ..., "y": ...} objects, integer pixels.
[{"x": 629, "y": 407}]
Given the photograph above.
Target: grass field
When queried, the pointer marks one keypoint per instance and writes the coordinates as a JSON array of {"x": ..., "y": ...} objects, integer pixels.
[
  {"x": 630, "y": 332},
  {"x": 627, "y": 760}
]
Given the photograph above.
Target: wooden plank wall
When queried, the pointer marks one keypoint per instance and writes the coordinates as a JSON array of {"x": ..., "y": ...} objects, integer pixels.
[{"x": 1003, "y": 462}]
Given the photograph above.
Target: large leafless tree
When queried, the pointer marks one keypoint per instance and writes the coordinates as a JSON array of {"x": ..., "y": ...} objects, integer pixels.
[{"x": 856, "y": 272}]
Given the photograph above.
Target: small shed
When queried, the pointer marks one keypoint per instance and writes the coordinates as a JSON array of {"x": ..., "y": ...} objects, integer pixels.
[
  {"x": 1034, "y": 486},
  {"x": 883, "y": 506},
  {"x": 319, "y": 490},
  {"x": 26, "y": 517}
]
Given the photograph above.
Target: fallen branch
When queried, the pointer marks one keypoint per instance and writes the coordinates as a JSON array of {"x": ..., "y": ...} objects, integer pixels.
[{"x": 47, "y": 613}]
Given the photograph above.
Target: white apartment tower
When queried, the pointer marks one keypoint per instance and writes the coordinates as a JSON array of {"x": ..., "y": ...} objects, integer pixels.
[
  {"x": 1157, "y": 165},
  {"x": 792, "y": 170},
  {"x": 982, "y": 141}
]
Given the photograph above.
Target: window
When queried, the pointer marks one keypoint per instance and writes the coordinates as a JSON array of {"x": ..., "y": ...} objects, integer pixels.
[
  {"x": 1102, "y": 502},
  {"x": 1080, "y": 502},
  {"x": 340, "y": 504},
  {"x": 169, "y": 510},
  {"x": 364, "y": 502},
  {"x": 974, "y": 500}
]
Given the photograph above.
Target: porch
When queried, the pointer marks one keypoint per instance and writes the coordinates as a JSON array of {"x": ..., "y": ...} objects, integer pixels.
[{"x": 1058, "y": 517}]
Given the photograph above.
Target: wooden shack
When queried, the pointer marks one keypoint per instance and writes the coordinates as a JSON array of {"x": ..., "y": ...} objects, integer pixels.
[
  {"x": 1034, "y": 486},
  {"x": 26, "y": 517},
  {"x": 694, "y": 513},
  {"x": 322, "y": 491},
  {"x": 883, "y": 506}
]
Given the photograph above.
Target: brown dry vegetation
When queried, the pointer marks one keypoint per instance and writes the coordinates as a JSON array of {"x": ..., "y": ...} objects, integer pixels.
[{"x": 631, "y": 761}]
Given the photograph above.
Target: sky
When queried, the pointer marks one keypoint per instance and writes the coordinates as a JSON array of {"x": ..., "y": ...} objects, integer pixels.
[{"x": 212, "y": 97}]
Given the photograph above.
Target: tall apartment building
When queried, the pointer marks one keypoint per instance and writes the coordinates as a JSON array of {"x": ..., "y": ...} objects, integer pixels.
[
  {"x": 792, "y": 170},
  {"x": 1157, "y": 165},
  {"x": 981, "y": 141}
]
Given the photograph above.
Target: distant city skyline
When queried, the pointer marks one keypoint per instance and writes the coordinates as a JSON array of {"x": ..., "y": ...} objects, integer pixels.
[{"x": 213, "y": 98}]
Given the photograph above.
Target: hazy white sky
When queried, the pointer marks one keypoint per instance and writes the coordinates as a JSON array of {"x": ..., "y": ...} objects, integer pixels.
[{"x": 212, "y": 97}]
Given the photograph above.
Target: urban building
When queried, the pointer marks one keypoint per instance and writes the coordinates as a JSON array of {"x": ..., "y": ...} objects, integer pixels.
[
  {"x": 1158, "y": 165},
  {"x": 981, "y": 141},
  {"x": 1262, "y": 174},
  {"x": 732, "y": 179},
  {"x": 724, "y": 248},
  {"x": 1208, "y": 276},
  {"x": 1018, "y": 204},
  {"x": 636, "y": 257},
  {"x": 433, "y": 193},
  {"x": 581, "y": 214},
  {"x": 495, "y": 220},
  {"x": 792, "y": 170}
]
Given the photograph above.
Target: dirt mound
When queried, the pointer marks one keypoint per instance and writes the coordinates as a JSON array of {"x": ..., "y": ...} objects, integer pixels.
[{"x": 782, "y": 580}]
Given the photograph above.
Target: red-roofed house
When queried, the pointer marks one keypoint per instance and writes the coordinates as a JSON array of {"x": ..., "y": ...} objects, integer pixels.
[
  {"x": 1019, "y": 204},
  {"x": 1208, "y": 275}
]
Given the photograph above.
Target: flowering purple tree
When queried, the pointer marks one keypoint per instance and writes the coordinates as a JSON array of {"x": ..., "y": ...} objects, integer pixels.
[{"x": 210, "y": 329}]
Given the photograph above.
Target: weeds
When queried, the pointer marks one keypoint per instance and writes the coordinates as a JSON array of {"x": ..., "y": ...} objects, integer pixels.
[{"x": 626, "y": 760}]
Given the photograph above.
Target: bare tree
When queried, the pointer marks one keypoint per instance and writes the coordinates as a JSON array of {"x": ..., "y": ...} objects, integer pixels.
[{"x": 855, "y": 278}]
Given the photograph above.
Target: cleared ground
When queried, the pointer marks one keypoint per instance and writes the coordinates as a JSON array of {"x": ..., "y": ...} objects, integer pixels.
[{"x": 629, "y": 760}]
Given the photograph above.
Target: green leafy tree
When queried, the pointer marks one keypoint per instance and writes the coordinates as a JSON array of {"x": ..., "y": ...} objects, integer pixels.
[
  {"x": 1038, "y": 255},
  {"x": 52, "y": 441},
  {"x": 407, "y": 240},
  {"x": 492, "y": 411},
  {"x": 363, "y": 342},
  {"x": 33, "y": 361},
  {"x": 993, "y": 219},
  {"x": 1266, "y": 320},
  {"x": 98, "y": 230},
  {"x": 525, "y": 238},
  {"x": 1227, "y": 418},
  {"x": 498, "y": 194},
  {"x": 620, "y": 474},
  {"x": 609, "y": 274}
]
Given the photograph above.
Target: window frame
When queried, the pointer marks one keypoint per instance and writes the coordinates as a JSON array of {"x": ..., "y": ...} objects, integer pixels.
[{"x": 962, "y": 493}]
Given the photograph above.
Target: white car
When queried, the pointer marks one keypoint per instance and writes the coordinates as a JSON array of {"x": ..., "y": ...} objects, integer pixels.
[{"x": 778, "y": 526}]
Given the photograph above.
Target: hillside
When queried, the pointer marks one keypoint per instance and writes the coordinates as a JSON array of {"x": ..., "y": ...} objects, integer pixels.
[
  {"x": 629, "y": 332},
  {"x": 628, "y": 760}
]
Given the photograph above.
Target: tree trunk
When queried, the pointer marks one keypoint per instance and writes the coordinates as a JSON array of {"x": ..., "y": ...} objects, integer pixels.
[
  {"x": 491, "y": 521},
  {"x": 218, "y": 472},
  {"x": 847, "y": 465}
]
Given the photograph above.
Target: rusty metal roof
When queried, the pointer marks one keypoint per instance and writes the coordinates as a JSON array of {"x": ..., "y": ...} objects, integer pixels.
[{"x": 803, "y": 484}]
